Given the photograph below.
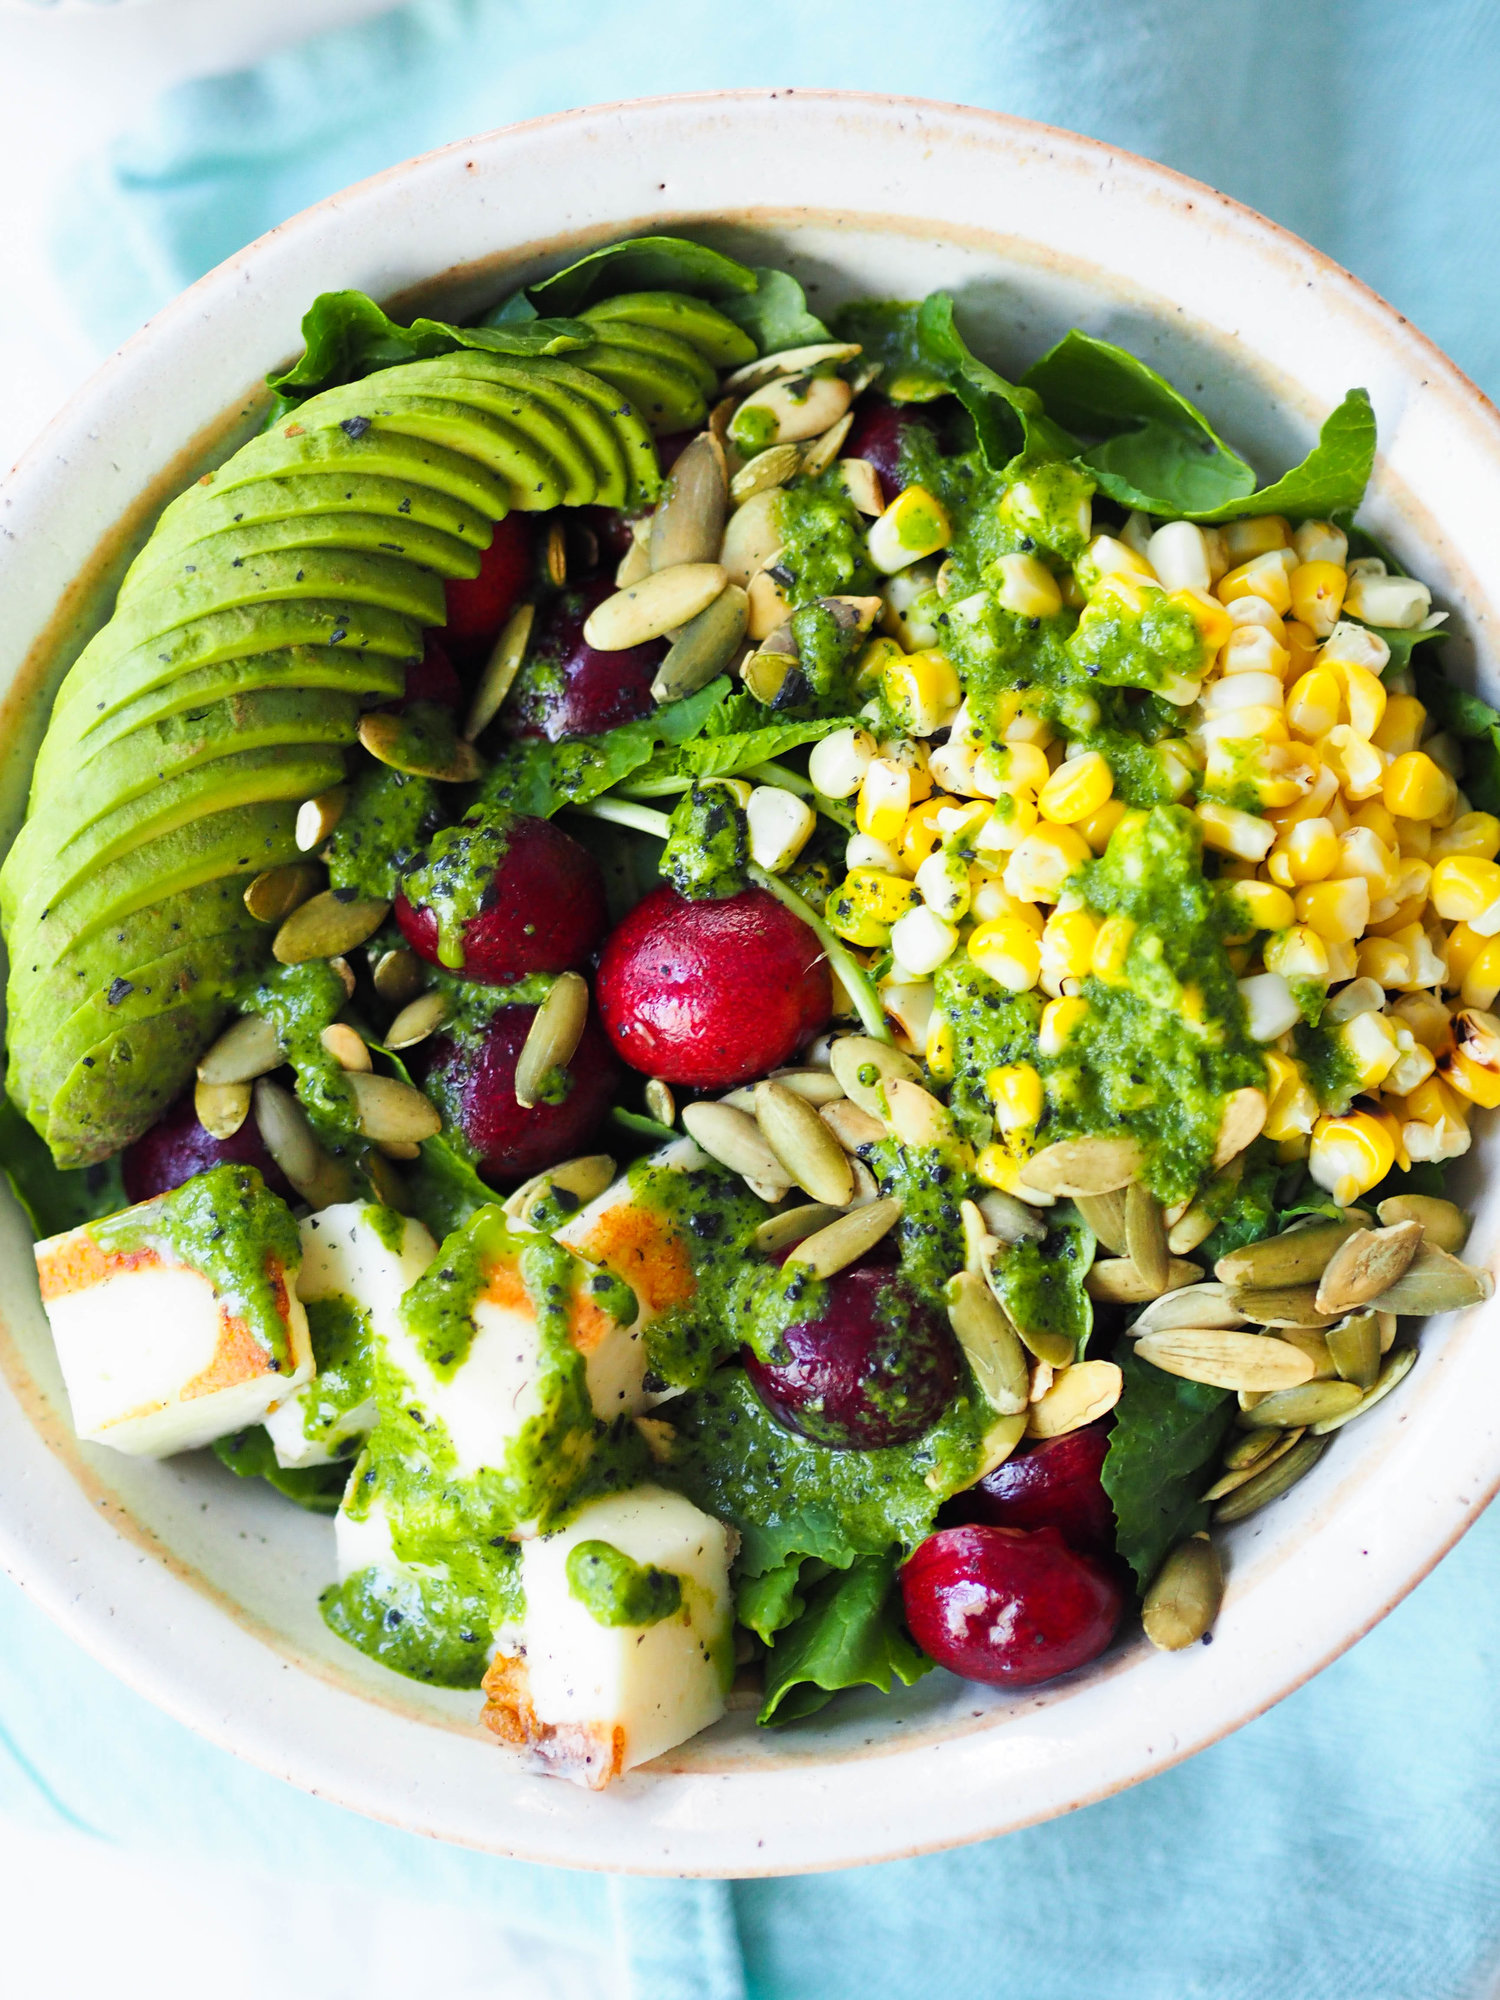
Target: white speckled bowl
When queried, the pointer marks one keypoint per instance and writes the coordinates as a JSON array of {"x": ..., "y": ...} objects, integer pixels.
[{"x": 202, "y": 1591}]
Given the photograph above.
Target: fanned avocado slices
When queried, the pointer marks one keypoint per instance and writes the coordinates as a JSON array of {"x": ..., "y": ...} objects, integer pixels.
[
  {"x": 120, "y": 1087},
  {"x": 701, "y": 326},
  {"x": 329, "y": 532}
]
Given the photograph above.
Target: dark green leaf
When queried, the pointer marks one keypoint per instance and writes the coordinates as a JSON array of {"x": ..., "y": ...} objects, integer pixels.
[
  {"x": 250, "y": 1455},
  {"x": 642, "y": 1127},
  {"x": 55, "y": 1198},
  {"x": 1167, "y": 1433},
  {"x": 1330, "y": 480},
  {"x": 850, "y": 1635},
  {"x": 775, "y": 314},
  {"x": 1474, "y": 722},
  {"x": 723, "y": 756},
  {"x": 640, "y": 264},
  {"x": 348, "y": 335},
  {"x": 444, "y": 1189},
  {"x": 767, "y": 1604},
  {"x": 542, "y": 778},
  {"x": 1009, "y": 420}
]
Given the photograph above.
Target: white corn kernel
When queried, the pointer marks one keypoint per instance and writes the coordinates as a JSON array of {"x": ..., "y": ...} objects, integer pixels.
[
  {"x": 838, "y": 763},
  {"x": 862, "y": 850},
  {"x": 1244, "y": 690},
  {"x": 1027, "y": 587},
  {"x": 1355, "y": 646},
  {"x": 921, "y": 941},
  {"x": 780, "y": 824},
  {"x": 1269, "y": 1007},
  {"x": 1360, "y": 996},
  {"x": 1231, "y": 831},
  {"x": 1321, "y": 541},
  {"x": 1179, "y": 555},
  {"x": 1398, "y": 602}
]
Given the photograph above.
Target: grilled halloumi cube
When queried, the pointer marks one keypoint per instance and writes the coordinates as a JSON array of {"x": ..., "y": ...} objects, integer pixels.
[
  {"x": 590, "y": 1700},
  {"x": 357, "y": 1261},
  {"x": 159, "y": 1354}
]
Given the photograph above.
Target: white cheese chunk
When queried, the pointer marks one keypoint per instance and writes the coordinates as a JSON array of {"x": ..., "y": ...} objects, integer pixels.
[
  {"x": 591, "y": 1700},
  {"x": 363, "y": 1257},
  {"x": 154, "y": 1359}
]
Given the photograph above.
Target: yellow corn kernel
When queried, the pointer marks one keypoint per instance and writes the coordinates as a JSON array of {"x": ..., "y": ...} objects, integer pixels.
[
  {"x": 1111, "y": 949},
  {"x": 1413, "y": 1066},
  {"x": 1337, "y": 911},
  {"x": 866, "y": 904},
  {"x": 1301, "y": 644},
  {"x": 923, "y": 691},
  {"x": 1476, "y": 833},
  {"x": 1350, "y": 1155},
  {"x": 1039, "y": 867},
  {"x": 914, "y": 526},
  {"x": 1261, "y": 906},
  {"x": 1364, "y": 698},
  {"x": 1230, "y": 831},
  {"x": 1060, "y": 1019},
  {"x": 1296, "y": 953},
  {"x": 1427, "y": 1018},
  {"x": 989, "y": 898},
  {"x": 1068, "y": 938},
  {"x": 1373, "y": 815},
  {"x": 1021, "y": 766},
  {"x": 1178, "y": 766},
  {"x": 1212, "y": 620},
  {"x": 1076, "y": 789},
  {"x": 1435, "y": 1100},
  {"x": 1027, "y": 587},
  {"x": 1362, "y": 852},
  {"x": 872, "y": 662},
  {"x": 1106, "y": 556},
  {"x": 1316, "y": 803},
  {"x": 885, "y": 799},
  {"x": 1464, "y": 946},
  {"x": 1384, "y": 960},
  {"x": 940, "y": 1049},
  {"x": 1479, "y": 983},
  {"x": 1009, "y": 951},
  {"x": 1257, "y": 535},
  {"x": 1253, "y": 650},
  {"x": 1016, "y": 1094},
  {"x": 1098, "y": 827},
  {"x": 921, "y": 835},
  {"x": 1358, "y": 765},
  {"x": 1464, "y": 887},
  {"x": 1401, "y": 726},
  {"x": 1292, "y": 1109},
  {"x": 1317, "y": 593},
  {"x": 1368, "y": 1045},
  {"x": 1416, "y": 788},
  {"x": 1471, "y": 1079},
  {"x": 1308, "y": 852},
  {"x": 1263, "y": 576},
  {"x": 1312, "y": 705}
]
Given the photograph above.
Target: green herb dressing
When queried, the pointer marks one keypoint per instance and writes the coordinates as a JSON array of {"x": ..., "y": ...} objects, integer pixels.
[
  {"x": 454, "y": 877},
  {"x": 616, "y": 1591},
  {"x": 384, "y": 825}
]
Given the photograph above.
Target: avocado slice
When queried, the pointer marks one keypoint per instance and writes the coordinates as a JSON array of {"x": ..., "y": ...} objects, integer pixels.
[
  {"x": 667, "y": 348},
  {"x": 371, "y": 535},
  {"x": 567, "y": 425},
  {"x": 705, "y": 329},
  {"x": 119, "y": 1088},
  {"x": 667, "y": 395},
  {"x": 534, "y": 481},
  {"x": 293, "y": 447},
  {"x": 610, "y": 467},
  {"x": 643, "y": 470}
]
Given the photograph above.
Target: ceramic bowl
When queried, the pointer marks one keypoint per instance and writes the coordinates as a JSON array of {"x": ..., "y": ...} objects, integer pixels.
[{"x": 200, "y": 1590}]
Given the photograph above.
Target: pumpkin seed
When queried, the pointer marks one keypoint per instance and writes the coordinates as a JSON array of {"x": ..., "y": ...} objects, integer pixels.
[
  {"x": 651, "y": 608},
  {"x": 555, "y": 555},
  {"x": 995, "y": 1447},
  {"x": 1146, "y": 1237},
  {"x": 332, "y": 922},
  {"x": 1194, "y": 1226},
  {"x": 831, "y": 1249},
  {"x": 417, "y": 1020},
  {"x": 1315, "y": 1347},
  {"x": 1280, "y": 1442},
  {"x": 1043, "y": 1375},
  {"x": 821, "y": 453},
  {"x": 734, "y": 1140},
  {"x": 808, "y": 1152},
  {"x": 1280, "y": 1305},
  {"x": 346, "y": 1046},
  {"x": 1354, "y": 1348},
  {"x": 660, "y": 1102},
  {"x": 222, "y": 1108},
  {"x": 1386, "y": 1321},
  {"x": 500, "y": 671},
  {"x": 1434, "y": 1282},
  {"x": 555, "y": 1032},
  {"x": 1275, "y": 1480},
  {"x": 1226, "y": 1360},
  {"x": 790, "y": 361},
  {"x": 636, "y": 561},
  {"x": 704, "y": 647},
  {"x": 1116, "y": 1281},
  {"x": 1398, "y": 1365},
  {"x": 818, "y": 1086},
  {"x": 1078, "y": 1395},
  {"x": 277, "y": 892},
  {"x": 399, "y": 1149},
  {"x": 1105, "y": 1216},
  {"x": 580, "y": 1180},
  {"x": 866, "y": 1187},
  {"x": 793, "y": 1225},
  {"x": 1251, "y": 1447},
  {"x": 390, "y": 1190},
  {"x": 1084, "y": 1166},
  {"x": 772, "y": 1193},
  {"x": 789, "y": 410},
  {"x": 316, "y": 818},
  {"x": 1185, "y": 1596},
  {"x": 1205, "y": 1305},
  {"x": 917, "y": 1118},
  {"x": 1366, "y": 1264},
  {"x": 288, "y": 1138},
  {"x": 979, "y": 1245},
  {"x": 767, "y": 606},
  {"x": 423, "y": 742},
  {"x": 767, "y": 469},
  {"x": 864, "y": 1066},
  {"x": 398, "y": 976},
  {"x": 862, "y": 482},
  {"x": 339, "y": 964},
  {"x": 764, "y": 674},
  {"x": 1010, "y": 1220},
  {"x": 688, "y": 524},
  {"x": 248, "y": 1048},
  {"x": 989, "y": 1342},
  {"x": 1444, "y": 1223},
  {"x": 1311, "y": 1404},
  {"x": 1296, "y": 1257},
  {"x": 1240, "y": 1123},
  {"x": 387, "y": 1108},
  {"x": 754, "y": 537}
]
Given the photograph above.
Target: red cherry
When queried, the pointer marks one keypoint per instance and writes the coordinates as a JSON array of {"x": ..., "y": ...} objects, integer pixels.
[
  {"x": 473, "y": 1084},
  {"x": 878, "y": 1368},
  {"x": 1054, "y": 1485},
  {"x": 876, "y": 436},
  {"x": 479, "y": 605},
  {"x": 177, "y": 1147},
  {"x": 712, "y": 993},
  {"x": 1011, "y": 1608},
  {"x": 432, "y": 678},
  {"x": 569, "y": 688},
  {"x": 544, "y": 911},
  {"x": 611, "y": 527}
]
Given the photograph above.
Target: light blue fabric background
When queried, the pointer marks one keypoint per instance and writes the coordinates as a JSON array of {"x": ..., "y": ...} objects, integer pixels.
[{"x": 1346, "y": 1846}]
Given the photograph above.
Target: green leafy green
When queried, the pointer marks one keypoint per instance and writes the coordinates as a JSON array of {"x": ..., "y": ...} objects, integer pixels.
[
  {"x": 1167, "y": 1431},
  {"x": 766, "y": 1604},
  {"x": 443, "y": 1187},
  {"x": 1476, "y": 725},
  {"x": 1330, "y": 480},
  {"x": 639, "y": 264},
  {"x": 642, "y": 1127},
  {"x": 541, "y": 778},
  {"x": 775, "y": 314},
  {"x": 55, "y": 1198},
  {"x": 714, "y": 756},
  {"x": 850, "y": 1635},
  {"x": 1009, "y": 419},
  {"x": 249, "y": 1454}
]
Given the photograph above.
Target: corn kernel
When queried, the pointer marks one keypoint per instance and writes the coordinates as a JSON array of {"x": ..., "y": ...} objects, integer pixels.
[
  {"x": 990, "y": 899},
  {"x": 1316, "y": 803},
  {"x": 1060, "y": 1019},
  {"x": 1359, "y": 766},
  {"x": 1262, "y": 906},
  {"x": 1038, "y": 868},
  {"x": 867, "y": 903},
  {"x": 1178, "y": 553},
  {"x": 1270, "y": 1009},
  {"x": 1301, "y": 644},
  {"x": 1297, "y": 953},
  {"x": 1363, "y": 852},
  {"x": 1243, "y": 689},
  {"x": 921, "y": 835},
  {"x": 1436, "y": 1100},
  {"x": 1312, "y": 705},
  {"x": 1401, "y": 726},
  {"x": 885, "y": 799},
  {"x": 1474, "y": 833},
  {"x": 837, "y": 764},
  {"x": 923, "y": 691},
  {"x": 1364, "y": 698},
  {"x": 1399, "y": 602},
  {"x": 1479, "y": 982},
  {"x": 1068, "y": 939},
  {"x": 1263, "y": 576},
  {"x": 1256, "y": 535},
  {"x": 1464, "y": 887},
  {"x": 1317, "y": 593},
  {"x": 1178, "y": 769},
  {"x": 1413, "y": 1066},
  {"x": 940, "y": 1049},
  {"x": 1106, "y": 556},
  {"x": 1214, "y": 624},
  {"x": 1027, "y": 587},
  {"x": 1309, "y": 852},
  {"x": 1292, "y": 1109},
  {"x": 1009, "y": 951},
  {"x": 1429, "y": 962},
  {"x": 1111, "y": 949},
  {"x": 1426, "y": 1017},
  {"x": 1416, "y": 788},
  {"x": 1021, "y": 766},
  {"x": 1385, "y": 960},
  {"x": 944, "y": 884},
  {"x": 915, "y": 525},
  {"x": 921, "y": 941},
  {"x": 1016, "y": 1093},
  {"x": 1076, "y": 789},
  {"x": 1471, "y": 1079},
  {"x": 1251, "y": 649},
  {"x": 1241, "y": 611},
  {"x": 1321, "y": 541},
  {"x": 1337, "y": 911},
  {"x": 1230, "y": 831},
  {"x": 1013, "y": 819},
  {"x": 1098, "y": 827},
  {"x": 1350, "y": 1155}
]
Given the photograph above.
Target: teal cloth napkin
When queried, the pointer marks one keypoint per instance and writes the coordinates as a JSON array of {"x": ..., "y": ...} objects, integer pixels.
[{"x": 1348, "y": 1844}]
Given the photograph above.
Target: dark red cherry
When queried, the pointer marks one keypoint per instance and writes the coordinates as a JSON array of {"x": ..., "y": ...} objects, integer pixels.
[
  {"x": 478, "y": 606},
  {"x": 177, "y": 1147},
  {"x": 1054, "y": 1485},
  {"x": 876, "y": 435},
  {"x": 1008, "y": 1607},
  {"x": 569, "y": 688},
  {"x": 876, "y": 1368},
  {"x": 473, "y": 1083},
  {"x": 610, "y": 527},
  {"x": 544, "y": 910},
  {"x": 712, "y": 993},
  {"x": 433, "y": 678}
]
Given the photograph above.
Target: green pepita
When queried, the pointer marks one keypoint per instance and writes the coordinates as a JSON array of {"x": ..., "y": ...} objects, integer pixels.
[
  {"x": 1146, "y": 1237},
  {"x": 1296, "y": 1257},
  {"x": 1105, "y": 1215},
  {"x": 1084, "y": 1166},
  {"x": 1312, "y": 1404},
  {"x": 1354, "y": 1346},
  {"x": 1274, "y": 1444},
  {"x": 1366, "y": 1264},
  {"x": 1398, "y": 1365},
  {"x": 1185, "y": 1596},
  {"x": 1281, "y": 1305},
  {"x": 1272, "y": 1482},
  {"x": 1444, "y": 1223},
  {"x": 1434, "y": 1282},
  {"x": 989, "y": 1342}
]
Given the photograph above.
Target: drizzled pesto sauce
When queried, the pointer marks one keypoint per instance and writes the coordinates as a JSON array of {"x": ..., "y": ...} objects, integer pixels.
[
  {"x": 388, "y": 818},
  {"x": 615, "y": 1590},
  {"x": 300, "y": 1001},
  {"x": 342, "y": 1346},
  {"x": 454, "y": 878},
  {"x": 707, "y": 854}
]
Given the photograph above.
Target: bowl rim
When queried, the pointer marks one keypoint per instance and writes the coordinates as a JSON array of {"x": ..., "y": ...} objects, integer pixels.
[{"x": 80, "y": 1616}]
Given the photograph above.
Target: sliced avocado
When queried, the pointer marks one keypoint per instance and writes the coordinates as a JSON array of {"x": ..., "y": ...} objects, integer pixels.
[
  {"x": 563, "y": 424},
  {"x": 643, "y": 470},
  {"x": 362, "y": 534},
  {"x": 118, "y": 1089},
  {"x": 295, "y": 448},
  {"x": 534, "y": 482},
  {"x": 238, "y": 778},
  {"x": 667, "y": 396},
  {"x": 647, "y": 339},
  {"x": 702, "y": 326},
  {"x": 610, "y": 468}
]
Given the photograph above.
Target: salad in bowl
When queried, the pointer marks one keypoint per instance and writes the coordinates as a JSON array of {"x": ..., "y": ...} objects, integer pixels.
[{"x": 775, "y": 1011}]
